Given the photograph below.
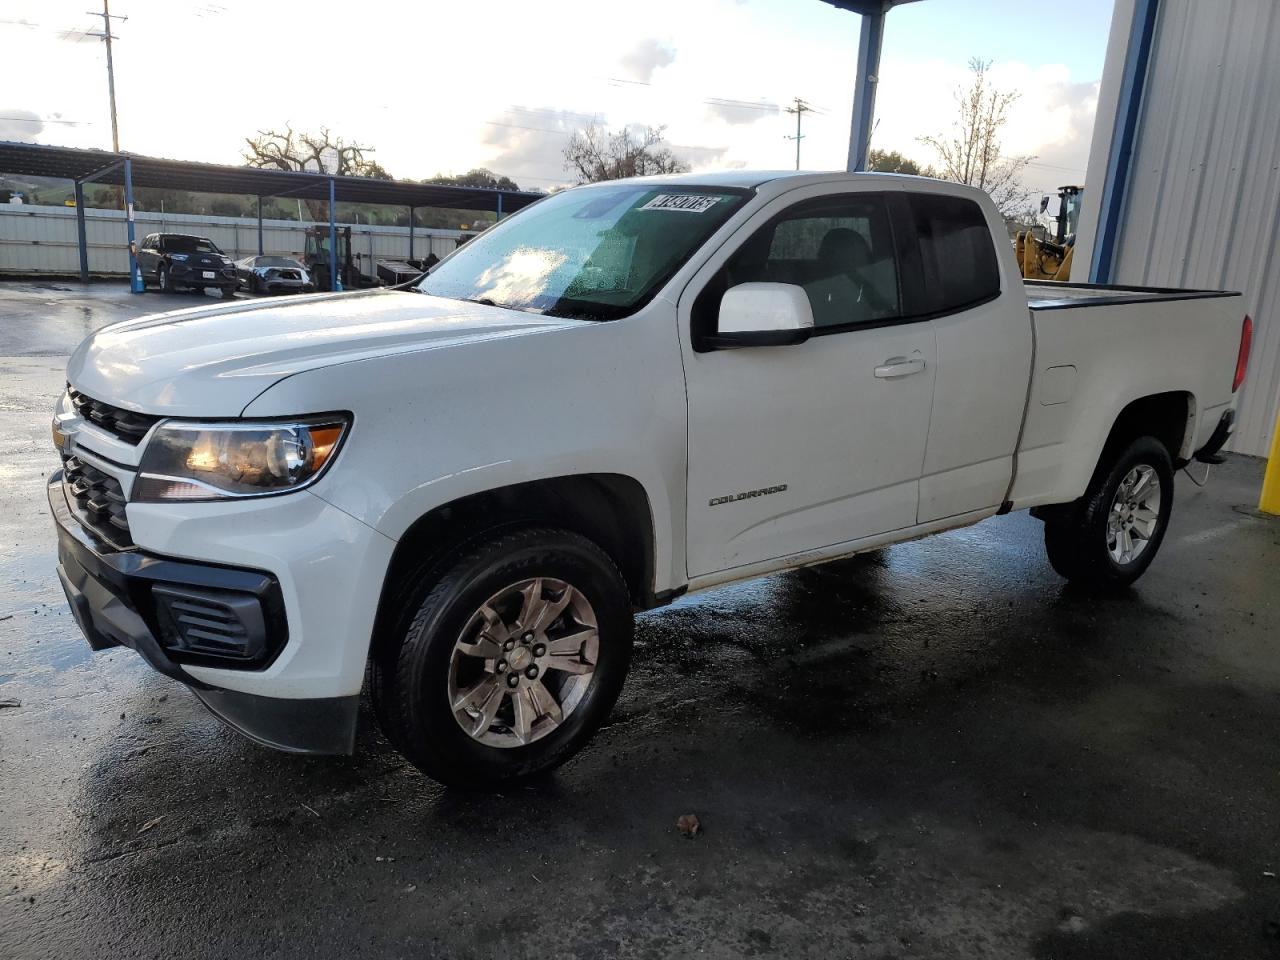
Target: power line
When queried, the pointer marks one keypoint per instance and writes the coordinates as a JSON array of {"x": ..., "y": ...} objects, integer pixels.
[{"x": 72, "y": 123}]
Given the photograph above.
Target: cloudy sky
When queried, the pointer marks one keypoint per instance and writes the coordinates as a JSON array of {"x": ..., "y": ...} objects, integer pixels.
[{"x": 440, "y": 87}]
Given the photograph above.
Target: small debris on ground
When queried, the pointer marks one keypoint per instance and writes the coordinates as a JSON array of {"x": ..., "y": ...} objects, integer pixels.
[
  {"x": 309, "y": 810},
  {"x": 410, "y": 888},
  {"x": 688, "y": 825},
  {"x": 9, "y": 702},
  {"x": 150, "y": 823}
]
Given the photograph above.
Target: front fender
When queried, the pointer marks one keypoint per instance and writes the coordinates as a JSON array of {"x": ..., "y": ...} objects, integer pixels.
[{"x": 433, "y": 426}]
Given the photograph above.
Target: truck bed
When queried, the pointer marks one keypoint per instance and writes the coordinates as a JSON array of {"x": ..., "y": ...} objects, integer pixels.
[
  {"x": 1057, "y": 295},
  {"x": 1097, "y": 349}
]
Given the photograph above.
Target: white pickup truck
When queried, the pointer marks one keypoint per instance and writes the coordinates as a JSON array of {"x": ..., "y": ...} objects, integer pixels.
[{"x": 462, "y": 488}]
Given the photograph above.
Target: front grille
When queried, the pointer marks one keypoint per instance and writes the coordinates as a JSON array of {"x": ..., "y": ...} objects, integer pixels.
[
  {"x": 97, "y": 500},
  {"x": 212, "y": 623},
  {"x": 125, "y": 424}
]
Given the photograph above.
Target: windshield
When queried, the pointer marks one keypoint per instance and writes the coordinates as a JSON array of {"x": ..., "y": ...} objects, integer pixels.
[
  {"x": 189, "y": 245},
  {"x": 593, "y": 254},
  {"x": 274, "y": 262}
]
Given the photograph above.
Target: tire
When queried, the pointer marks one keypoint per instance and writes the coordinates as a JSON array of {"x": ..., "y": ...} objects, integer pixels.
[
  {"x": 1079, "y": 537},
  {"x": 425, "y": 669},
  {"x": 228, "y": 293},
  {"x": 162, "y": 278}
]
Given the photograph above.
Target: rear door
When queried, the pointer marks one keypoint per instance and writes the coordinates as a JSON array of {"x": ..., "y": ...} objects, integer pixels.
[
  {"x": 985, "y": 344},
  {"x": 147, "y": 256},
  {"x": 797, "y": 448}
]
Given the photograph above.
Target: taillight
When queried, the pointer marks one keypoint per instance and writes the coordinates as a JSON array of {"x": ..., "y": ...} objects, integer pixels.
[{"x": 1242, "y": 360}]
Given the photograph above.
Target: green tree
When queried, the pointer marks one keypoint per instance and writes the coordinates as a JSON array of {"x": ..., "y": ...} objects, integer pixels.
[
  {"x": 891, "y": 161},
  {"x": 477, "y": 177}
]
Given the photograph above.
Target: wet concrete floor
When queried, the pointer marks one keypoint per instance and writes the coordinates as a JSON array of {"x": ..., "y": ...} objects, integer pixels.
[{"x": 935, "y": 751}]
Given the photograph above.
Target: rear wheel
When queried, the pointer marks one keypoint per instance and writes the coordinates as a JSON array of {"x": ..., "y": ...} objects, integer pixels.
[
  {"x": 1109, "y": 536},
  {"x": 514, "y": 655},
  {"x": 228, "y": 293}
]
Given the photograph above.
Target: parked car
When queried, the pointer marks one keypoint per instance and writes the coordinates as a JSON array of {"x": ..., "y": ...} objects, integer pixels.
[
  {"x": 178, "y": 261},
  {"x": 270, "y": 274},
  {"x": 623, "y": 393}
]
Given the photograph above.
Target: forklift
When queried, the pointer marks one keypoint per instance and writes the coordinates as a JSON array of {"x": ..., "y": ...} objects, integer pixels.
[
  {"x": 316, "y": 259},
  {"x": 1050, "y": 258}
]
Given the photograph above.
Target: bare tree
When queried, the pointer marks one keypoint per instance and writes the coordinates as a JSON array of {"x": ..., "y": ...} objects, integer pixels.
[
  {"x": 971, "y": 151},
  {"x": 595, "y": 153},
  {"x": 312, "y": 153}
]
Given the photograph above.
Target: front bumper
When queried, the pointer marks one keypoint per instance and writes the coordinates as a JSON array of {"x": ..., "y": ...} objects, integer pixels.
[
  {"x": 118, "y": 598},
  {"x": 194, "y": 276}
]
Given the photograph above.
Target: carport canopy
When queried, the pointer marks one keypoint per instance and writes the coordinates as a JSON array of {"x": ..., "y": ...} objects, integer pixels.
[{"x": 133, "y": 170}]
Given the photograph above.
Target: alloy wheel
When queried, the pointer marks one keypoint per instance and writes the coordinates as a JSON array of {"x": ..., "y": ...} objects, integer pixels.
[
  {"x": 1134, "y": 516},
  {"x": 523, "y": 662}
]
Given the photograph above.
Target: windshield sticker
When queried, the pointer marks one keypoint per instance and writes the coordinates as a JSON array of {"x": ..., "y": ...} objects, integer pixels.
[{"x": 684, "y": 202}]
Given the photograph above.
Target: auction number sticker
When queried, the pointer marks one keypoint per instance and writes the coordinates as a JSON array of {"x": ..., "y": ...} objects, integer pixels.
[{"x": 684, "y": 202}]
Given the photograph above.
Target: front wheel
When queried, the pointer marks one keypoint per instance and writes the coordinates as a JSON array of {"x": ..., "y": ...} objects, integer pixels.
[
  {"x": 513, "y": 657},
  {"x": 1109, "y": 536}
]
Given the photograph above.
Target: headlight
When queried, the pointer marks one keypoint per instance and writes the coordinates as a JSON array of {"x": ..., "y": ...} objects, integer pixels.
[
  {"x": 223, "y": 461},
  {"x": 179, "y": 256}
]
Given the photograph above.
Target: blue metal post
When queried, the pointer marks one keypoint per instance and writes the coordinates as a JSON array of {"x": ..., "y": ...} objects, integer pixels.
[
  {"x": 411, "y": 210},
  {"x": 135, "y": 275},
  {"x": 864, "y": 93},
  {"x": 335, "y": 281},
  {"x": 499, "y": 216},
  {"x": 1123, "y": 137},
  {"x": 261, "y": 251},
  {"x": 81, "y": 238}
]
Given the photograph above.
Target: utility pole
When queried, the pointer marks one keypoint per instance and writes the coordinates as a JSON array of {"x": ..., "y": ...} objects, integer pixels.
[
  {"x": 800, "y": 109},
  {"x": 106, "y": 38}
]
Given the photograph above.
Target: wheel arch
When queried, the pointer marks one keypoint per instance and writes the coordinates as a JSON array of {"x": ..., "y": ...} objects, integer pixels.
[
  {"x": 612, "y": 510},
  {"x": 1170, "y": 417}
]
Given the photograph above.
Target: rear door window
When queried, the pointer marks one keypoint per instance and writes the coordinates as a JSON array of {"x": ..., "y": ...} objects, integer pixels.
[{"x": 957, "y": 256}]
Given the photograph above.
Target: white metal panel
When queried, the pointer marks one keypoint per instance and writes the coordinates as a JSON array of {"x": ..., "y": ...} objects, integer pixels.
[
  {"x": 42, "y": 239},
  {"x": 1203, "y": 204}
]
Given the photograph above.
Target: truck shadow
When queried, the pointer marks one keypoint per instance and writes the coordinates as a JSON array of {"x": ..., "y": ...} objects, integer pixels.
[{"x": 846, "y": 720}]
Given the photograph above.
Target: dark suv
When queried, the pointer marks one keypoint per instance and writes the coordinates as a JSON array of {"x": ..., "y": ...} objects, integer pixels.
[{"x": 176, "y": 261}]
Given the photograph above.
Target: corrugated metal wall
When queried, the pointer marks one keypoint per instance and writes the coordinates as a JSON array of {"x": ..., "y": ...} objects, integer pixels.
[
  {"x": 39, "y": 239},
  {"x": 1203, "y": 206}
]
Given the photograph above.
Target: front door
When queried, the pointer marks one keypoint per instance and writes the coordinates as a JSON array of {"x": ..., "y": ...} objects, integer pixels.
[{"x": 797, "y": 448}]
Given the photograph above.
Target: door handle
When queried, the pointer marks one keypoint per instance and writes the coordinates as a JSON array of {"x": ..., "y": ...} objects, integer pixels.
[{"x": 899, "y": 367}]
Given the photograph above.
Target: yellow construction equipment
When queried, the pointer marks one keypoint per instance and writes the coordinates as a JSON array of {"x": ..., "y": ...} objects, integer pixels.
[
  {"x": 1050, "y": 258},
  {"x": 1269, "y": 502}
]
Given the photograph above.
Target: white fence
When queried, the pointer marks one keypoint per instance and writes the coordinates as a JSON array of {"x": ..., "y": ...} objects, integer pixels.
[{"x": 39, "y": 239}]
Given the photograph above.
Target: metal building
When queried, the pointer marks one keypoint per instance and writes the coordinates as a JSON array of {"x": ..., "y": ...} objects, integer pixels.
[{"x": 1183, "y": 182}]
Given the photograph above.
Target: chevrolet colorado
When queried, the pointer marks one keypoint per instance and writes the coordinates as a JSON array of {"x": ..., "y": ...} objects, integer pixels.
[{"x": 461, "y": 489}]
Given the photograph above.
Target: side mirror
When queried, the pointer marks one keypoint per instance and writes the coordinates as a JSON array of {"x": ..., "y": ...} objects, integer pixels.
[{"x": 762, "y": 315}]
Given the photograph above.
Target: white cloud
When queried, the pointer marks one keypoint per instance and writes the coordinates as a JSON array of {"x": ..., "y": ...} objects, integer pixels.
[
  {"x": 19, "y": 124},
  {"x": 401, "y": 80},
  {"x": 645, "y": 57}
]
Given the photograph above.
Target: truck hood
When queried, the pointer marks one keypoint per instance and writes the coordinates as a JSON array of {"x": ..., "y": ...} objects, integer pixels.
[{"x": 212, "y": 361}]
